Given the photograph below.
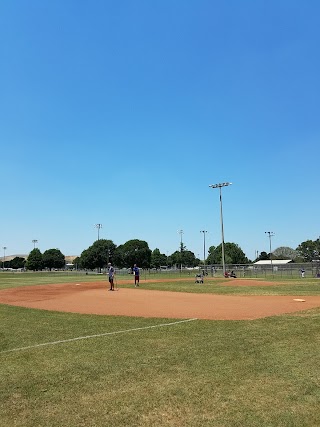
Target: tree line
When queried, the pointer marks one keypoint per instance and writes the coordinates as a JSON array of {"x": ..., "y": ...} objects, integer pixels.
[
  {"x": 51, "y": 258},
  {"x": 307, "y": 251},
  {"x": 132, "y": 252},
  {"x": 138, "y": 252}
]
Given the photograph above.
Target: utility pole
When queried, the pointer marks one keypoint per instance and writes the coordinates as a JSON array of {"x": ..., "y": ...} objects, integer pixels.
[
  {"x": 181, "y": 233},
  {"x": 223, "y": 184},
  {"x": 4, "y": 256},
  {"x": 204, "y": 248},
  {"x": 271, "y": 234},
  {"x": 98, "y": 226}
]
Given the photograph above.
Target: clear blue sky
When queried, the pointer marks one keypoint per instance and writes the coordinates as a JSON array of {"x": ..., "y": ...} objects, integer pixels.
[{"x": 124, "y": 112}]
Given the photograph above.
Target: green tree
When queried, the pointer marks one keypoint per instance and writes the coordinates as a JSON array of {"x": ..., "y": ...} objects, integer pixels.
[
  {"x": 184, "y": 257},
  {"x": 182, "y": 247},
  {"x": 98, "y": 255},
  {"x": 34, "y": 261},
  {"x": 133, "y": 252},
  {"x": 17, "y": 262},
  {"x": 263, "y": 256},
  {"x": 233, "y": 254},
  {"x": 189, "y": 259},
  {"x": 77, "y": 262},
  {"x": 53, "y": 258},
  {"x": 170, "y": 261},
  {"x": 85, "y": 261},
  {"x": 6, "y": 264},
  {"x": 213, "y": 257},
  {"x": 309, "y": 250},
  {"x": 158, "y": 259},
  {"x": 175, "y": 258}
]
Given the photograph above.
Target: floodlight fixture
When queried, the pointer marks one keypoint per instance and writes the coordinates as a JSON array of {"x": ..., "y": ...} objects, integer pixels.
[
  {"x": 222, "y": 184},
  {"x": 34, "y": 241}
]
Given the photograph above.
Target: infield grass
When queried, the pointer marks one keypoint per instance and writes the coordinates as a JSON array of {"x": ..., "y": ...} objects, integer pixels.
[{"x": 262, "y": 373}]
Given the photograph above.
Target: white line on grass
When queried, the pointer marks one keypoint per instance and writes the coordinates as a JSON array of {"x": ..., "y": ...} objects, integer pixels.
[{"x": 96, "y": 336}]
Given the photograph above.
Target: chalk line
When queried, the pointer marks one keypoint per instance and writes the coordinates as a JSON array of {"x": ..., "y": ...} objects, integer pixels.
[{"x": 96, "y": 336}]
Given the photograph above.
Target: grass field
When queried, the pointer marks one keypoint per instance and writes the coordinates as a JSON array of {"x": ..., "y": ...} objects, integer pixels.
[{"x": 155, "y": 372}]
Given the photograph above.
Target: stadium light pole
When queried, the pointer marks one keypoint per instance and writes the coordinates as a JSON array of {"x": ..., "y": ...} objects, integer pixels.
[
  {"x": 204, "y": 247},
  {"x": 4, "y": 256},
  {"x": 181, "y": 233},
  {"x": 271, "y": 234},
  {"x": 98, "y": 226},
  {"x": 223, "y": 184},
  {"x": 34, "y": 241}
]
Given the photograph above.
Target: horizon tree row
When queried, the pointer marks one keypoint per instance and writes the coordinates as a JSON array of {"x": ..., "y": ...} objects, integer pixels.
[
  {"x": 307, "y": 251},
  {"x": 132, "y": 252},
  {"x": 138, "y": 252},
  {"x": 51, "y": 258}
]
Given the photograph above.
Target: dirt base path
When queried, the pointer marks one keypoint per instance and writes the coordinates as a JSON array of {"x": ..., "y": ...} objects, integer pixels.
[{"x": 94, "y": 298}]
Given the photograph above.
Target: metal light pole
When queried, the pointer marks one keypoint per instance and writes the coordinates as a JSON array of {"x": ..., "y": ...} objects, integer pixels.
[
  {"x": 34, "y": 243},
  {"x": 181, "y": 233},
  {"x": 98, "y": 226},
  {"x": 271, "y": 234},
  {"x": 204, "y": 247},
  {"x": 223, "y": 184},
  {"x": 4, "y": 256}
]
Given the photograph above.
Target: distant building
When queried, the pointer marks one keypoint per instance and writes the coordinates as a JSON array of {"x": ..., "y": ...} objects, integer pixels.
[
  {"x": 68, "y": 258},
  {"x": 274, "y": 262}
]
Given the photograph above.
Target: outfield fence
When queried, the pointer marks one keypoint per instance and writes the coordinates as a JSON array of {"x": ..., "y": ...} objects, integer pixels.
[
  {"x": 292, "y": 270},
  {"x": 311, "y": 269}
]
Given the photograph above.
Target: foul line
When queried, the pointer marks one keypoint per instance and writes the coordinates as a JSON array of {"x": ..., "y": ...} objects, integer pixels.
[{"x": 96, "y": 336}]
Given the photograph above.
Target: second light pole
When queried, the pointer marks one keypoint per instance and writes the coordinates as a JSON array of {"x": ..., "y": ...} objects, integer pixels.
[
  {"x": 98, "y": 226},
  {"x": 204, "y": 248},
  {"x": 181, "y": 248},
  {"x": 271, "y": 234},
  {"x": 223, "y": 184},
  {"x": 4, "y": 257}
]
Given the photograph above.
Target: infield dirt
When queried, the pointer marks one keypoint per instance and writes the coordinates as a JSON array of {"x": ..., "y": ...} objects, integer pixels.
[{"x": 94, "y": 298}]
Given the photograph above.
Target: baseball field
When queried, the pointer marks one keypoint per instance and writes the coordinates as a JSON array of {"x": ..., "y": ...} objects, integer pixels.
[{"x": 229, "y": 352}]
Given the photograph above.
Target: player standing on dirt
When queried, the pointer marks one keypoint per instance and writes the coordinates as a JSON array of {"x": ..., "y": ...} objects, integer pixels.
[
  {"x": 111, "y": 276},
  {"x": 136, "y": 273}
]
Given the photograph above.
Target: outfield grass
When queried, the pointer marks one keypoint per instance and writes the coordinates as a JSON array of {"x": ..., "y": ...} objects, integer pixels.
[
  {"x": 225, "y": 287},
  {"x": 15, "y": 280},
  {"x": 222, "y": 286},
  {"x": 262, "y": 373}
]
